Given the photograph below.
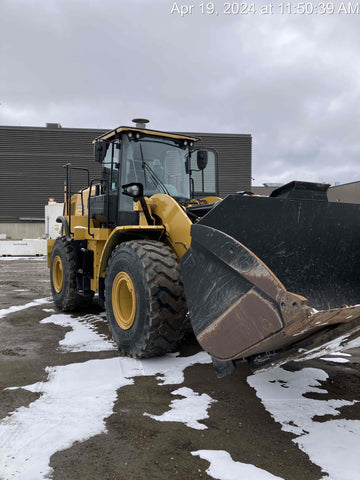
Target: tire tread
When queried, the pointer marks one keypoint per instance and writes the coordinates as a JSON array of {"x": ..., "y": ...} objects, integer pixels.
[
  {"x": 167, "y": 313},
  {"x": 71, "y": 300}
]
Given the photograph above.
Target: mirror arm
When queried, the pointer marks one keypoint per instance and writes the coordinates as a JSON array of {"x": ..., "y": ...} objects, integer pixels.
[{"x": 146, "y": 211}]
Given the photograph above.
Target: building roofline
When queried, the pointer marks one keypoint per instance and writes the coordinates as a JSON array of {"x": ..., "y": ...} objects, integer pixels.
[
  {"x": 50, "y": 129},
  {"x": 343, "y": 184},
  {"x": 218, "y": 134},
  {"x": 78, "y": 129}
]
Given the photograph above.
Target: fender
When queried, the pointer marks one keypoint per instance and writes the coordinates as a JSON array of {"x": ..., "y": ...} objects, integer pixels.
[
  {"x": 65, "y": 225},
  {"x": 119, "y": 235},
  {"x": 126, "y": 233}
]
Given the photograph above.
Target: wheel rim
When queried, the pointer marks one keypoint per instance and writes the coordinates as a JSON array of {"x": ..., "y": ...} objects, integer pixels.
[
  {"x": 58, "y": 274},
  {"x": 124, "y": 300}
]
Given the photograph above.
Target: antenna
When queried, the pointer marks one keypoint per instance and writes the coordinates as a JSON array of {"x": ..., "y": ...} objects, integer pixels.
[{"x": 140, "y": 122}]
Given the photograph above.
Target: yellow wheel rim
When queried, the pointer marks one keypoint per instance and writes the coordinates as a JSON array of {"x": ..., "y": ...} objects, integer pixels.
[
  {"x": 124, "y": 300},
  {"x": 58, "y": 274}
]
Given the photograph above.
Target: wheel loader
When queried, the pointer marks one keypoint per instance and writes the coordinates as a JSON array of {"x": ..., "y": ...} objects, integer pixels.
[{"x": 255, "y": 276}]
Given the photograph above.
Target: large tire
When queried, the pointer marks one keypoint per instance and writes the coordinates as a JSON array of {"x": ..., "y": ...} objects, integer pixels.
[
  {"x": 144, "y": 299},
  {"x": 63, "y": 276}
]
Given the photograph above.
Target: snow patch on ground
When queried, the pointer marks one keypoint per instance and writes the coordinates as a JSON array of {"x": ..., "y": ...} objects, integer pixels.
[
  {"x": 83, "y": 337},
  {"x": 335, "y": 359},
  {"x": 82, "y": 391},
  {"x": 333, "y": 444},
  {"x": 355, "y": 343},
  {"x": 8, "y": 258},
  {"x": 223, "y": 467},
  {"x": 85, "y": 392},
  {"x": 188, "y": 410},
  {"x": 17, "y": 308},
  {"x": 334, "y": 347},
  {"x": 171, "y": 371}
]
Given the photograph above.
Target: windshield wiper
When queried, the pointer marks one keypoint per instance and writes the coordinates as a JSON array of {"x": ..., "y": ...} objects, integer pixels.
[{"x": 155, "y": 179}]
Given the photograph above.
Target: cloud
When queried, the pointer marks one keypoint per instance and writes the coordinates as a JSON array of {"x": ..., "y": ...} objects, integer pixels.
[{"x": 289, "y": 80}]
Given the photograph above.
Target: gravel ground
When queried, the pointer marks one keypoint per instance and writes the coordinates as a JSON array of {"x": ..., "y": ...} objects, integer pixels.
[{"x": 135, "y": 446}]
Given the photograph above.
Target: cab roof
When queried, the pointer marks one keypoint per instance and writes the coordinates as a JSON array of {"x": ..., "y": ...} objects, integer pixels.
[{"x": 111, "y": 134}]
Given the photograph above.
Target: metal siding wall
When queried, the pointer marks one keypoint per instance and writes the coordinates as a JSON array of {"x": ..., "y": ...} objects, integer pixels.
[
  {"x": 347, "y": 193},
  {"x": 32, "y": 159}
]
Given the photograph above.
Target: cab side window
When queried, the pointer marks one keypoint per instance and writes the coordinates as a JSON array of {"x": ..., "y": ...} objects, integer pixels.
[
  {"x": 115, "y": 165},
  {"x": 205, "y": 181},
  {"x": 111, "y": 165},
  {"x": 106, "y": 164}
]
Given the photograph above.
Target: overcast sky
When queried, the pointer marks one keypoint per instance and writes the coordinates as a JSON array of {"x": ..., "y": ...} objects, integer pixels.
[{"x": 290, "y": 80}]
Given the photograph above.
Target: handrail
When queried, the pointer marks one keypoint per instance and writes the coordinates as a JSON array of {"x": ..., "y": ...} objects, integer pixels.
[
  {"x": 85, "y": 170},
  {"x": 69, "y": 167},
  {"x": 68, "y": 193}
]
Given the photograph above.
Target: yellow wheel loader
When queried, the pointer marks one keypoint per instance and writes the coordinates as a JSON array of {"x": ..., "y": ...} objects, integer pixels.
[{"x": 255, "y": 275}]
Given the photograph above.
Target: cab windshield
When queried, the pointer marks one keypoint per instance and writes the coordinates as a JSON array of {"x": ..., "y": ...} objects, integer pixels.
[{"x": 158, "y": 163}]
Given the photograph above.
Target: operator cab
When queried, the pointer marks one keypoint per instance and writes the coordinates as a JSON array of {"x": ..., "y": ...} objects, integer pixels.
[{"x": 162, "y": 162}]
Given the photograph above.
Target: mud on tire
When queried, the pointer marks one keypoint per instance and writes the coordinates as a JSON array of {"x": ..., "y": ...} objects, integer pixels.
[
  {"x": 151, "y": 319},
  {"x": 63, "y": 276}
]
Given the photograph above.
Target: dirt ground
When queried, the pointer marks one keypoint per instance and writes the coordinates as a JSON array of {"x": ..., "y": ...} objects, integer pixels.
[{"x": 135, "y": 446}]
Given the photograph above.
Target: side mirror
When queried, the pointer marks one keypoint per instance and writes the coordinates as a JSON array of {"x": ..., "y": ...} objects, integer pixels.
[
  {"x": 202, "y": 159},
  {"x": 134, "y": 190},
  {"x": 100, "y": 149}
]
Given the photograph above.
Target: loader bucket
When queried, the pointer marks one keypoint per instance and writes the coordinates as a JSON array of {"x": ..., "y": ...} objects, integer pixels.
[{"x": 263, "y": 273}]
